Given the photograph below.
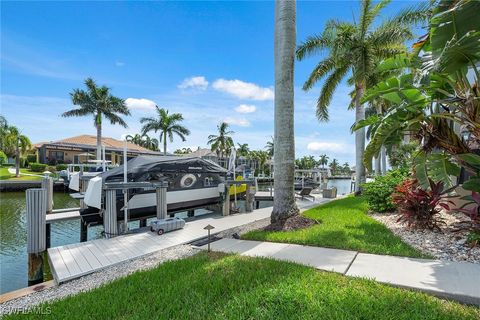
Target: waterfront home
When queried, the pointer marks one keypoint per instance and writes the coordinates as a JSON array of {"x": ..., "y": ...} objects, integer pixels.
[{"x": 80, "y": 149}]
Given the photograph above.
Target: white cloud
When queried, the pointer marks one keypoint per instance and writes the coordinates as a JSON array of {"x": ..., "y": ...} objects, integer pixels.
[
  {"x": 140, "y": 104},
  {"x": 328, "y": 147},
  {"x": 198, "y": 82},
  {"x": 119, "y": 63},
  {"x": 243, "y": 90},
  {"x": 246, "y": 108},
  {"x": 242, "y": 122}
]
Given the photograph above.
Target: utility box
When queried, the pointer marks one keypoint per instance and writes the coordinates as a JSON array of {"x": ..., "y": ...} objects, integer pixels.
[
  {"x": 160, "y": 226},
  {"x": 329, "y": 193}
]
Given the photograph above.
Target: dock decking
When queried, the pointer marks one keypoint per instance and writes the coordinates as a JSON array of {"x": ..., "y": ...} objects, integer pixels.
[{"x": 75, "y": 260}]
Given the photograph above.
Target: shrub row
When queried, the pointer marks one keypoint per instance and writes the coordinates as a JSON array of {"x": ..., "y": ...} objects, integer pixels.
[
  {"x": 38, "y": 167},
  {"x": 378, "y": 193}
]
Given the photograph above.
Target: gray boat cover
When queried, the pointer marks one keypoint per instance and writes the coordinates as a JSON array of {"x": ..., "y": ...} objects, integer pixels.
[{"x": 137, "y": 167}]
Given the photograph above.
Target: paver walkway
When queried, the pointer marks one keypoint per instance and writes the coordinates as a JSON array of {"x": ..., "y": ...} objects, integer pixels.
[{"x": 453, "y": 280}]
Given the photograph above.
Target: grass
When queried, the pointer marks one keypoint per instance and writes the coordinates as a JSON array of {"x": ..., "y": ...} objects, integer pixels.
[
  {"x": 344, "y": 225},
  {"x": 218, "y": 286},
  {"x": 5, "y": 175}
]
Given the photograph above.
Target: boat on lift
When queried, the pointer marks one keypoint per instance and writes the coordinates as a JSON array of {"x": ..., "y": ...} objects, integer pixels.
[{"x": 192, "y": 182}]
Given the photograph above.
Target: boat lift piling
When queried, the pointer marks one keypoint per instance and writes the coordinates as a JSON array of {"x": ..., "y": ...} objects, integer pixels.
[
  {"x": 110, "y": 223},
  {"x": 47, "y": 185},
  {"x": 36, "y": 233}
]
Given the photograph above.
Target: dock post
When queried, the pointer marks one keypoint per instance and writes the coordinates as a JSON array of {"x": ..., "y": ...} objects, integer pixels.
[
  {"x": 47, "y": 184},
  {"x": 110, "y": 215},
  {"x": 83, "y": 188},
  {"x": 161, "y": 202},
  {"x": 249, "y": 199},
  {"x": 226, "y": 202},
  {"x": 190, "y": 213},
  {"x": 36, "y": 244},
  {"x": 83, "y": 231}
]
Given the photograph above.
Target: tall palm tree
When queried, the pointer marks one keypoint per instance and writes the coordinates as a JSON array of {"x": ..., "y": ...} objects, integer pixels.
[
  {"x": 323, "y": 160},
  {"x": 98, "y": 101},
  {"x": 222, "y": 142},
  {"x": 346, "y": 168},
  {"x": 334, "y": 166},
  {"x": 167, "y": 124},
  {"x": 284, "y": 204},
  {"x": 270, "y": 147},
  {"x": 355, "y": 47},
  {"x": 150, "y": 143},
  {"x": 19, "y": 142},
  {"x": 243, "y": 149}
]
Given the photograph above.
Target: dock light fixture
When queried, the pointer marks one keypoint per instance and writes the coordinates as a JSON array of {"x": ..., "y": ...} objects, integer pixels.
[
  {"x": 208, "y": 228},
  {"x": 46, "y": 173}
]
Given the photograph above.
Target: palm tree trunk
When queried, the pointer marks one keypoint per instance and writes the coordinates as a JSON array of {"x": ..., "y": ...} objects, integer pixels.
[
  {"x": 359, "y": 138},
  {"x": 383, "y": 157},
  {"x": 99, "y": 141},
  {"x": 284, "y": 143},
  {"x": 17, "y": 159},
  {"x": 378, "y": 169},
  {"x": 165, "y": 143}
]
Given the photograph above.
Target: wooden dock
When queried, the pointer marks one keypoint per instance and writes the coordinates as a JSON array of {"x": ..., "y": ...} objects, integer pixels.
[
  {"x": 75, "y": 260},
  {"x": 63, "y": 215}
]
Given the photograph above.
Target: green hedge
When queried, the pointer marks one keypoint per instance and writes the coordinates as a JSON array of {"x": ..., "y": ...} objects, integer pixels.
[
  {"x": 60, "y": 167},
  {"x": 378, "y": 192},
  {"x": 38, "y": 167}
]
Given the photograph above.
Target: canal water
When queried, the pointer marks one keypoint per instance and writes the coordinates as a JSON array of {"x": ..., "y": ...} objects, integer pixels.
[{"x": 13, "y": 237}]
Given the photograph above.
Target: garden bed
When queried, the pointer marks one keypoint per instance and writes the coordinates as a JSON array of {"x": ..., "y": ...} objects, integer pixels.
[{"x": 447, "y": 245}]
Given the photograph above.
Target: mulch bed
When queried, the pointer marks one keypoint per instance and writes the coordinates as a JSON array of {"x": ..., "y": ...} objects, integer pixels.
[{"x": 292, "y": 223}]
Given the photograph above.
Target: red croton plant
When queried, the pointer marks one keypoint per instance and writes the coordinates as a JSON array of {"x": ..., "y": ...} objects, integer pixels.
[{"x": 420, "y": 208}]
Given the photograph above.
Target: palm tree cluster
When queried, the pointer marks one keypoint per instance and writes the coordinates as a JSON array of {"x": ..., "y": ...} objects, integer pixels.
[
  {"x": 355, "y": 49},
  {"x": 183, "y": 151},
  {"x": 13, "y": 143},
  {"x": 143, "y": 140}
]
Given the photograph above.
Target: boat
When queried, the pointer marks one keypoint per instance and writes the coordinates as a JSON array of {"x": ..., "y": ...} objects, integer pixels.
[{"x": 192, "y": 182}]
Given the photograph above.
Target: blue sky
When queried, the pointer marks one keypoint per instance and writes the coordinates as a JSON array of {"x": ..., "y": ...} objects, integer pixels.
[{"x": 211, "y": 61}]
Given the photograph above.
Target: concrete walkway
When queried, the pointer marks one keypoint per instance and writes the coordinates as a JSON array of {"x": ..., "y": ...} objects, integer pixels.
[{"x": 458, "y": 281}]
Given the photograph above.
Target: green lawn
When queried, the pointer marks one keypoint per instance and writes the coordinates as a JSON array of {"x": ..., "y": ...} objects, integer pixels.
[
  {"x": 5, "y": 175},
  {"x": 344, "y": 225},
  {"x": 218, "y": 286}
]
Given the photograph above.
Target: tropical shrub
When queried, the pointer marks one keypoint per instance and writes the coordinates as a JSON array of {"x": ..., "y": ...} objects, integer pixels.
[
  {"x": 471, "y": 209},
  {"x": 378, "y": 193},
  {"x": 38, "y": 167},
  {"x": 418, "y": 207},
  {"x": 3, "y": 158},
  {"x": 60, "y": 167},
  {"x": 31, "y": 158}
]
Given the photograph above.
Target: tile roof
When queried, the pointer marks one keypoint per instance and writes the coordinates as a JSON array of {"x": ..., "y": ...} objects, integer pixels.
[{"x": 90, "y": 141}]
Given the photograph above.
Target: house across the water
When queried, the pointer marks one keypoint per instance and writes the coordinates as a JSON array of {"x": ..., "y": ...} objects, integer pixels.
[{"x": 80, "y": 149}]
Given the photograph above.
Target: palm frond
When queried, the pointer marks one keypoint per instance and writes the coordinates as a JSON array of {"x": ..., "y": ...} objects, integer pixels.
[
  {"x": 327, "y": 91},
  {"x": 322, "y": 68}
]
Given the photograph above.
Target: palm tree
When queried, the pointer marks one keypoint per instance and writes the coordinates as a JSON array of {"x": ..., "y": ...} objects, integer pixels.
[
  {"x": 355, "y": 47},
  {"x": 323, "y": 160},
  {"x": 223, "y": 142},
  {"x": 98, "y": 101},
  {"x": 346, "y": 168},
  {"x": 167, "y": 124},
  {"x": 270, "y": 147},
  {"x": 334, "y": 166},
  {"x": 18, "y": 142},
  {"x": 243, "y": 149},
  {"x": 135, "y": 139},
  {"x": 284, "y": 204}
]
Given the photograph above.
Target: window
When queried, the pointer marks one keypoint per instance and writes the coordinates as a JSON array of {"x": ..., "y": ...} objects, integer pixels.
[{"x": 56, "y": 155}]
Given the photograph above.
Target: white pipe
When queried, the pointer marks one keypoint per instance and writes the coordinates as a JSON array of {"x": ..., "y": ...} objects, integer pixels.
[
  {"x": 104, "y": 159},
  {"x": 125, "y": 194}
]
